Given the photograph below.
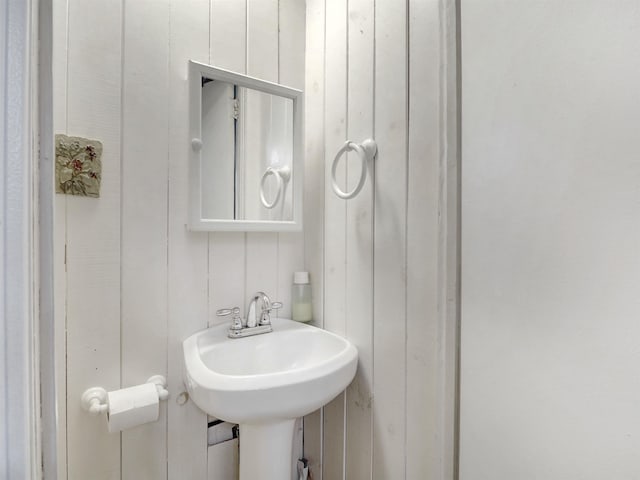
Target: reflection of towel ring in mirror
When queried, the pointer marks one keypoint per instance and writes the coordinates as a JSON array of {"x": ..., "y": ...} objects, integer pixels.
[
  {"x": 366, "y": 151},
  {"x": 282, "y": 176}
]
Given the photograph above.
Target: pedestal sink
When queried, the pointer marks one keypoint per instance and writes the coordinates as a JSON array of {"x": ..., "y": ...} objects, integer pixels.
[{"x": 264, "y": 383}]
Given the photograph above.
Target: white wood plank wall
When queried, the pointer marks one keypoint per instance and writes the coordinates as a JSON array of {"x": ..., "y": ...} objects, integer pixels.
[
  {"x": 314, "y": 198},
  {"x": 384, "y": 69},
  {"x": 131, "y": 281}
]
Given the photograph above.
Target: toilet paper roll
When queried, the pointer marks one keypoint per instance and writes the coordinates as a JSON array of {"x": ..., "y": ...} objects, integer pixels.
[{"x": 132, "y": 406}]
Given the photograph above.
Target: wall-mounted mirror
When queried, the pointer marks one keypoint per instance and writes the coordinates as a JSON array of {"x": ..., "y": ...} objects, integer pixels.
[{"x": 246, "y": 152}]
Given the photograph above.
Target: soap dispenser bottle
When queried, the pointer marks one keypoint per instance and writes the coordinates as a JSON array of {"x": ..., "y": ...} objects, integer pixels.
[{"x": 301, "y": 308}]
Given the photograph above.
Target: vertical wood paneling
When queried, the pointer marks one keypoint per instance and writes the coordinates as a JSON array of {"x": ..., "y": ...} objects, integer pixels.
[
  {"x": 389, "y": 381},
  {"x": 205, "y": 272},
  {"x": 262, "y": 39},
  {"x": 314, "y": 197},
  {"x": 291, "y": 43},
  {"x": 188, "y": 251},
  {"x": 59, "y": 71},
  {"x": 262, "y": 62},
  {"x": 359, "y": 241},
  {"x": 335, "y": 118},
  {"x": 138, "y": 281},
  {"x": 48, "y": 255},
  {"x": 227, "y": 255},
  {"x": 228, "y": 34},
  {"x": 93, "y": 236},
  {"x": 449, "y": 231},
  {"x": 290, "y": 259},
  {"x": 291, "y": 50},
  {"x": 226, "y": 273},
  {"x": 423, "y": 451},
  {"x": 335, "y": 115},
  {"x": 399, "y": 251},
  {"x": 262, "y": 264},
  {"x": 314, "y": 166},
  {"x": 144, "y": 222}
]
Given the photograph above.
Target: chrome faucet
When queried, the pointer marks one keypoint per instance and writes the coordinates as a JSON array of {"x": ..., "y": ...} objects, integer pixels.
[
  {"x": 258, "y": 320},
  {"x": 262, "y": 317}
]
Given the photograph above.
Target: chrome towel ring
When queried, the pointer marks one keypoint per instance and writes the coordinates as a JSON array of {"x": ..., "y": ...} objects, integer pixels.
[
  {"x": 282, "y": 176},
  {"x": 366, "y": 151}
]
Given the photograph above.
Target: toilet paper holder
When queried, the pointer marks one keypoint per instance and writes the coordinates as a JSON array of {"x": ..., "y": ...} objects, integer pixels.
[{"x": 94, "y": 399}]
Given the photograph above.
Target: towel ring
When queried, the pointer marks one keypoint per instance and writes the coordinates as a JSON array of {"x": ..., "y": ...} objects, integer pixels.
[
  {"x": 282, "y": 175},
  {"x": 366, "y": 151}
]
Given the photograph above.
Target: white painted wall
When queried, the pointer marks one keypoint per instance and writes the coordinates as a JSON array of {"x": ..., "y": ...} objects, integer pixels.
[
  {"x": 381, "y": 264},
  {"x": 550, "y": 240},
  {"x": 131, "y": 281}
]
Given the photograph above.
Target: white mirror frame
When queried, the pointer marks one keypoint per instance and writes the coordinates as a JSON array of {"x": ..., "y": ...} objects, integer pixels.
[{"x": 196, "y": 222}]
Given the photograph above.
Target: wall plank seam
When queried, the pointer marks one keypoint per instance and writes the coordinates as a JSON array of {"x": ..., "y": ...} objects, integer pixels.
[
  {"x": 450, "y": 207},
  {"x": 406, "y": 222},
  {"x": 346, "y": 242},
  {"x": 167, "y": 262},
  {"x": 66, "y": 242},
  {"x": 121, "y": 206},
  {"x": 374, "y": 202}
]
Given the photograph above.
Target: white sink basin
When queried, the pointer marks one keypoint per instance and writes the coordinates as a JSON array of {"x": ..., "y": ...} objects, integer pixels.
[{"x": 264, "y": 383}]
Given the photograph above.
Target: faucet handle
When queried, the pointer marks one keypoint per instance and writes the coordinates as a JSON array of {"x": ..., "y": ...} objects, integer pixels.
[
  {"x": 235, "y": 319},
  {"x": 265, "y": 319}
]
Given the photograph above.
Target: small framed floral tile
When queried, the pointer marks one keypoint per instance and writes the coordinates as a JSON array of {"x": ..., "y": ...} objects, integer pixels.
[{"x": 78, "y": 166}]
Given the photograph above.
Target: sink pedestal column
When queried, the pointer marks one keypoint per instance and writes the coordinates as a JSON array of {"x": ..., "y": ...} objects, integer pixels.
[{"x": 266, "y": 450}]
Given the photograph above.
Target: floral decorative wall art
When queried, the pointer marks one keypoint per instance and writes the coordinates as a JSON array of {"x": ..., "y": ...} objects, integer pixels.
[{"x": 78, "y": 166}]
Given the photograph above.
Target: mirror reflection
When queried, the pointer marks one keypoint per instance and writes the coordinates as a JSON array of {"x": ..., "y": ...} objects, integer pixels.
[{"x": 247, "y": 153}]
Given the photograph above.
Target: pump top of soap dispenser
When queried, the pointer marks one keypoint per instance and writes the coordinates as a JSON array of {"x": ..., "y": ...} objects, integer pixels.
[{"x": 300, "y": 278}]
